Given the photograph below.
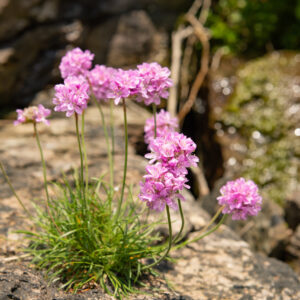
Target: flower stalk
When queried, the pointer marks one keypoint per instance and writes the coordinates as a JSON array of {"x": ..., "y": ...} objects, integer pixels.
[
  {"x": 81, "y": 158},
  {"x": 36, "y": 133},
  {"x": 125, "y": 159},
  {"x": 14, "y": 191},
  {"x": 169, "y": 244}
]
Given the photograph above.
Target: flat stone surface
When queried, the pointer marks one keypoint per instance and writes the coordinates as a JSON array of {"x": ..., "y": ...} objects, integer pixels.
[{"x": 221, "y": 266}]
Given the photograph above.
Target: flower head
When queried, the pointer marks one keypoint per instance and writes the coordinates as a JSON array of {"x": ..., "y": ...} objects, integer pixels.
[
  {"x": 240, "y": 198},
  {"x": 100, "y": 79},
  {"x": 154, "y": 84},
  {"x": 72, "y": 96},
  {"x": 164, "y": 124},
  {"x": 76, "y": 62},
  {"x": 174, "y": 150},
  {"x": 161, "y": 187},
  {"x": 33, "y": 114},
  {"x": 166, "y": 174},
  {"x": 124, "y": 84}
]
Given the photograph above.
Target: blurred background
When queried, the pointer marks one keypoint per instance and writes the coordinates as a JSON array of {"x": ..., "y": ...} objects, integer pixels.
[{"x": 237, "y": 62}]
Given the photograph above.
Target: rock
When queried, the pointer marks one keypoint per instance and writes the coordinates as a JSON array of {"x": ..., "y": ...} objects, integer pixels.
[
  {"x": 17, "y": 15},
  {"x": 119, "y": 6},
  {"x": 221, "y": 265},
  {"x": 34, "y": 34},
  {"x": 294, "y": 245},
  {"x": 292, "y": 210},
  {"x": 136, "y": 40},
  {"x": 22, "y": 76}
]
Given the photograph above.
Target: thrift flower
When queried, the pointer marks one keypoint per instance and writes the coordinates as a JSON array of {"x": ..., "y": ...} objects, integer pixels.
[
  {"x": 241, "y": 199},
  {"x": 100, "y": 79},
  {"x": 33, "y": 114},
  {"x": 164, "y": 124},
  {"x": 173, "y": 150},
  {"x": 161, "y": 187},
  {"x": 155, "y": 83},
  {"x": 72, "y": 96},
  {"x": 76, "y": 62},
  {"x": 124, "y": 84},
  {"x": 170, "y": 155}
]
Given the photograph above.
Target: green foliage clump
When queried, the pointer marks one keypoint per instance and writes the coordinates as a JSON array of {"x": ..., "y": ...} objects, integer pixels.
[
  {"x": 87, "y": 244},
  {"x": 250, "y": 26}
]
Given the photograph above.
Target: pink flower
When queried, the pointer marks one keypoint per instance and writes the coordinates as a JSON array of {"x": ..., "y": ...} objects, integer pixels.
[
  {"x": 166, "y": 174},
  {"x": 72, "y": 96},
  {"x": 164, "y": 124},
  {"x": 161, "y": 187},
  {"x": 155, "y": 83},
  {"x": 173, "y": 150},
  {"x": 33, "y": 114},
  {"x": 240, "y": 198},
  {"x": 100, "y": 79},
  {"x": 76, "y": 62},
  {"x": 124, "y": 84}
]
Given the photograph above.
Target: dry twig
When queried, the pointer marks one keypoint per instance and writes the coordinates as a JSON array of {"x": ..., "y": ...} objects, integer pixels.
[
  {"x": 185, "y": 67},
  {"x": 13, "y": 258},
  {"x": 202, "y": 34},
  {"x": 177, "y": 38}
]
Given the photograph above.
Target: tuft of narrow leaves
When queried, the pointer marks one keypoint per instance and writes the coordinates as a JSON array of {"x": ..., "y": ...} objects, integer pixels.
[{"x": 89, "y": 245}]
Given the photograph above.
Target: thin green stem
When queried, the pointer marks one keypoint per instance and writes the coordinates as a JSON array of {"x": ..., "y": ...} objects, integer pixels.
[
  {"x": 109, "y": 152},
  {"x": 14, "y": 191},
  {"x": 125, "y": 160},
  {"x": 81, "y": 156},
  {"x": 112, "y": 131},
  {"x": 154, "y": 116},
  {"x": 203, "y": 235},
  {"x": 177, "y": 238},
  {"x": 169, "y": 245},
  {"x": 43, "y": 162},
  {"x": 213, "y": 219},
  {"x": 36, "y": 133},
  {"x": 84, "y": 154}
]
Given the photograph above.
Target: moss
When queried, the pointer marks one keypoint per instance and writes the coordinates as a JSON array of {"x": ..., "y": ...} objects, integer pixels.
[{"x": 265, "y": 109}]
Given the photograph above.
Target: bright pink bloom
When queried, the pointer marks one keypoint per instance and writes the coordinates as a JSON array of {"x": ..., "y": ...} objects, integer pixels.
[
  {"x": 155, "y": 83},
  {"x": 164, "y": 124},
  {"x": 72, "y": 96},
  {"x": 101, "y": 78},
  {"x": 174, "y": 151},
  {"x": 33, "y": 114},
  {"x": 76, "y": 62},
  {"x": 161, "y": 187},
  {"x": 166, "y": 175},
  {"x": 241, "y": 199},
  {"x": 124, "y": 84}
]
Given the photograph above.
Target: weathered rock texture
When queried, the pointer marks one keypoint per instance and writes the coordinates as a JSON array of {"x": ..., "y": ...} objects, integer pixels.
[
  {"x": 34, "y": 34},
  {"x": 221, "y": 266}
]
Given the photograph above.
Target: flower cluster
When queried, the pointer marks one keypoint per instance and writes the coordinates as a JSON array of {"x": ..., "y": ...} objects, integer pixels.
[
  {"x": 76, "y": 62},
  {"x": 174, "y": 150},
  {"x": 164, "y": 124},
  {"x": 100, "y": 79},
  {"x": 148, "y": 83},
  {"x": 72, "y": 96},
  {"x": 170, "y": 157},
  {"x": 33, "y": 114},
  {"x": 161, "y": 187},
  {"x": 154, "y": 84},
  {"x": 124, "y": 84},
  {"x": 240, "y": 198}
]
